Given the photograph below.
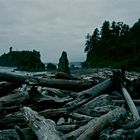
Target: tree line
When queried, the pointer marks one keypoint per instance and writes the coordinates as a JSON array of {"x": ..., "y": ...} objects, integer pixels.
[{"x": 115, "y": 44}]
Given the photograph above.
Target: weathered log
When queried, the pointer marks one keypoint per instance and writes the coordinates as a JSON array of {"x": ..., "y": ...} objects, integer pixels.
[
  {"x": 54, "y": 113},
  {"x": 103, "y": 122},
  {"x": 6, "y": 88},
  {"x": 45, "y": 129},
  {"x": 99, "y": 101},
  {"x": 92, "y": 92},
  {"x": 136, "y": 101},
  {"x": 67, "y": 128},
  {"x": 9, "y": 134},
  {"x": 130, "y": 103},
  {"x": 97, "y": 89},
  {"x": 118, "y": 134},
  {"x": 15, "y": 78},
  {"x": 14, "y": 99},
  {"x": 80, "y": 116},
  {"x": 136, "y": 133},
  {"x": 63, "y": 75},
  {"x": 44, "y": 101},
  {"x": 132, "y": 125},
  {"x": 99, "y": 111},
  {"x": 25, "y": 133},
  {"x": 7, "y": 110},
  {"x": 9, "y": 121},
  {"x": 54, "y": 92},
  {"x": 75, "y": 85},
  {"x": 76, "y": 133}
]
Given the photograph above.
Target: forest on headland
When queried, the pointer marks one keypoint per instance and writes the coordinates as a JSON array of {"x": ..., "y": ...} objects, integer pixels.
[{"x": 114, "y": 45}]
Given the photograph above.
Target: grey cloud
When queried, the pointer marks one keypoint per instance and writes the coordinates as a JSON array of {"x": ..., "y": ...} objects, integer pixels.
[{"x": 52, "y": 26}]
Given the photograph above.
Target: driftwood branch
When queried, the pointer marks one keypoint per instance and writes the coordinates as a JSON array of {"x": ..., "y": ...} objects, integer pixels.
[{"x": 130, "y": 103}]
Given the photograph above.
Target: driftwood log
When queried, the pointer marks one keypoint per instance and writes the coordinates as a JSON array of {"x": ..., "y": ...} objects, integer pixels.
[
  {"x": 76, "y": 133},
  {"x": 63, "y": 75},
  {"x": 103, "y": 122},
  {"x": 90, "y": 93},
  {"x": 74, "y": 85},
  {"x": 6, "y": 87},
  {"x": 130, "y": 103},
  {"x": 45, "y": 129}
]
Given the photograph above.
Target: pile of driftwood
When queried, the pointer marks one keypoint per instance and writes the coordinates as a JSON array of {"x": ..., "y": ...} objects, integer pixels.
[{"x": 66, "y": 107}]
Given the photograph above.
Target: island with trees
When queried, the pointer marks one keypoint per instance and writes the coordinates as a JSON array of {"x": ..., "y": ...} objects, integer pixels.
[{"x": 23, "y": 60}]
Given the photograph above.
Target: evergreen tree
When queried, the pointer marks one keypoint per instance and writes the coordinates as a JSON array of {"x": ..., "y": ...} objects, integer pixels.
[
  {"x": 92, "y": 40},
  {"x": 105, "y": 31}
]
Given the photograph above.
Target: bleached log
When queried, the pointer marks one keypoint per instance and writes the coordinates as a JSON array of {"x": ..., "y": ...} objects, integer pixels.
[
  {"x": 97, "y": 89},
  {"x": 103, "y": 122},
  {"x": 99, "y": 101},
  {"x": 67, "y": 128},
  {"x": 75, "y": 85},
  {"x": 92, "y": 92},
  {"x": 9, "y": 134},
  {"x": 79, "y": 116},
  {"x": 45, "y": 129},
  {"x": 76, "y": 133},
  {"x": 130, "y": 103},
  {"x": 16, "y": 118},
  {"x": 136, "y": 101}
]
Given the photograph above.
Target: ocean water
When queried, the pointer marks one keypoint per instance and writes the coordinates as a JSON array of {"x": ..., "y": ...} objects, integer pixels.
[{"x": 12, "y": 70}]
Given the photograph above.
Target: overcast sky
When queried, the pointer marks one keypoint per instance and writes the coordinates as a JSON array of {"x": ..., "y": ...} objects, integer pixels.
[{"x": 51, "y": 26}]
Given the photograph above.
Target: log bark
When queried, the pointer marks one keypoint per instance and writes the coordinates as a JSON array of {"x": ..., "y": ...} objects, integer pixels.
[
  {"x": 6, "y": 88},
  {"x": 136, "y": 101},
  {"x": 97, "y": 89},
  {"x": 76, "y": 133},
  {"x": 132, "y": 125},
  {"x": 43, "y": 101},
  {"x": 54, "y": 92},
  {"x": 80, "y": 116},
  {"x": 90, "y": 93},
  {"x": 25, "y": 133},
  {"x": 67, "y": 128},
  {"x": 130, "y": 103},
  {"x": 9, "y": 134},
  {"x": 74, "y": 85},
  {"x": 63, "y": 75},
  {"x": 14, "y": 99},
  {"x": 103, "y": 122},
  {"x": 99, "y": 101},
  {"x": 45, "y": 129},
  {"x": 9, "y": 121},
  {"x": 54, "y": 113}
]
